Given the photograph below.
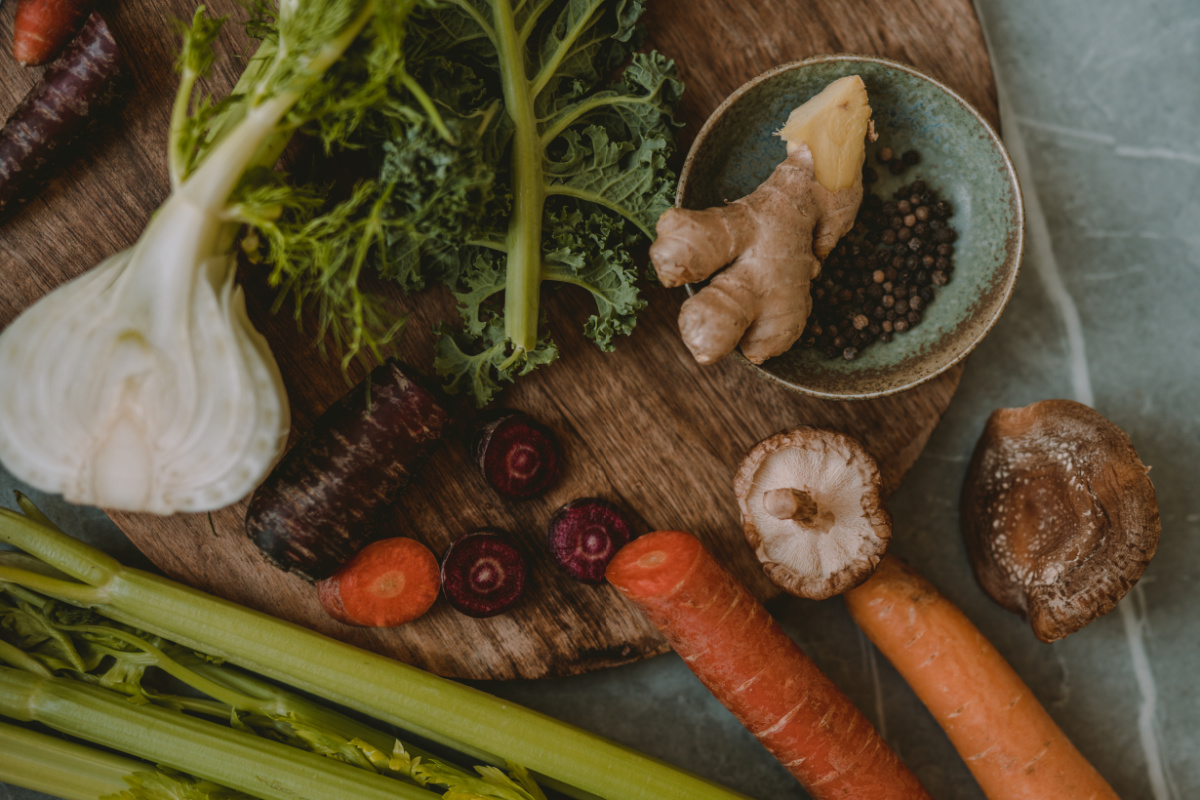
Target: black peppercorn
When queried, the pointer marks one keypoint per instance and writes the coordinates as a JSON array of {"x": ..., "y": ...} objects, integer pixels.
[
  {"x": 900, "y": 325},
  {"x": 918, "y": 186},
  {"x": 922, "y": 213},
  {"x": 896, "y": 166},
  {"x": 911, "y": 157},
  {"x": 939, "y": 278},
  {"x": 850, "y": 353},
  {"x": 904, "y": 234}
]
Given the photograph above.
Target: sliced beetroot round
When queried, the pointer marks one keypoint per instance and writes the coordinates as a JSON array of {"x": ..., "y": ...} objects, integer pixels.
[
  {"x": 584, "y": 536},
  {"x": 483, "y": 573},
  {"x": 518, "y": 455}
]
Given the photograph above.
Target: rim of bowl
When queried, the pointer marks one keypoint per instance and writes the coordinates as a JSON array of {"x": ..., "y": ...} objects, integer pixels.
[{"x": 994, "y": 137}]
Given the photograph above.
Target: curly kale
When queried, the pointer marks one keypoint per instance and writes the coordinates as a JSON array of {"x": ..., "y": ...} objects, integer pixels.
[{"x": 554, "y": 170}]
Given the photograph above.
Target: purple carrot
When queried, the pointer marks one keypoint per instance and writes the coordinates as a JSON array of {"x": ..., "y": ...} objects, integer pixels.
[
  {"x": 585, "y": 534},
  {"x": 40, "y": 131},
  {"x": 519, "y": 456},
  {"x": 314, "y": 511},
  {"x": 483, "y": 573}
]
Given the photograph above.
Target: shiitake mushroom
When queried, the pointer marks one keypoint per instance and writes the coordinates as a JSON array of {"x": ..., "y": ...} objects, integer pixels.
[
  {"x": 1058, "y": 514},
  {"x": 812, "y": 507}
]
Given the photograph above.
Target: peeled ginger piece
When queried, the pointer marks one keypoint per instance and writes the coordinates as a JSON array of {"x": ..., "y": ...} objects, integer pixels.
[{"x": 834, "y": 124}]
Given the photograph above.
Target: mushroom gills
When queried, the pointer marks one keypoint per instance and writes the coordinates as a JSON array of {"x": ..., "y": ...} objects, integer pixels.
[{"x": 813, "y": 510}]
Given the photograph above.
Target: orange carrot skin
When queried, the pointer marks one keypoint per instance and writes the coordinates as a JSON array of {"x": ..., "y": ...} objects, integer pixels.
[
  {"x": 388, "y": 583},
  {"x": 747, "y": 661},
  {"x": 1007, "y": 739},
  {"x": 43, "y": 27}
]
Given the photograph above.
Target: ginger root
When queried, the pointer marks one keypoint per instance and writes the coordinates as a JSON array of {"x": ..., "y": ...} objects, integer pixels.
[{"x": 774, "y": 239}]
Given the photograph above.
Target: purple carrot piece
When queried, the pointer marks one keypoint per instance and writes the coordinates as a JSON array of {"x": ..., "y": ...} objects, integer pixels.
[
  {"x": 585, "y": 534},
  {"x": 483, "y": 573},
  {"x": 313, "y": 512},
  {"x": 35, "y": 140},
  {"x": 518, "y": 455}
]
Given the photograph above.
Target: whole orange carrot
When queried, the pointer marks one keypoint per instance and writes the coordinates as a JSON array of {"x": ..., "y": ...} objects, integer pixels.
[
  {"x": 746, "y": 660},
  {"x": 1008, "y": 741}
]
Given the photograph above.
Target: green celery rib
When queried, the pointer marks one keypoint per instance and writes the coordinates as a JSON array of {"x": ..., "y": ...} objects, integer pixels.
[
  {"x": 463, "y": 718},
  {"x": 236, "y": 759},
  {"x": 64, "y": 769}
]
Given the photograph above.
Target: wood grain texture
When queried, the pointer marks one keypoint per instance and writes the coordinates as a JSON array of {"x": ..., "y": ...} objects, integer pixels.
[{"x": 644, "y": 426}]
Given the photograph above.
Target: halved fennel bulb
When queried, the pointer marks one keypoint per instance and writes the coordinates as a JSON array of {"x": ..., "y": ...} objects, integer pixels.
[{"x": 115, "y": 398}]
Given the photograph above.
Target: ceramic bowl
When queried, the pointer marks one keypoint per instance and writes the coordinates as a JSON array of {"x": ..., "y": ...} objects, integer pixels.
[{"x": 961, "y": 158}]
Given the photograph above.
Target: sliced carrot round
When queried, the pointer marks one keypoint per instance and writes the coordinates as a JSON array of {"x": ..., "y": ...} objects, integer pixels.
[{"x": 388, "y": 583}]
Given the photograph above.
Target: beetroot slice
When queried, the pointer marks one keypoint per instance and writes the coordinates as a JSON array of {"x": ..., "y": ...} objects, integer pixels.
[
  {"x": 584, "y": 536},
  {"x": 483, "y": 574},
  {"x": 518, "y": 455}
]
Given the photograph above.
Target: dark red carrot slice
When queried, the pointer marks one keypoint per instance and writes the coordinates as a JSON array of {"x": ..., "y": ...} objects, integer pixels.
[
  {"x": 51, "y": 117},
  {"x": 519, "y": 456},
  {"x": 483, "y": 573},
  {"x": 313, "y": 512},
  {"x": 389, "y": 583},
  {"x": 585, "y": 534},
  {"x": 746, "y": 660},
  {"x": 43, "y": 27}
]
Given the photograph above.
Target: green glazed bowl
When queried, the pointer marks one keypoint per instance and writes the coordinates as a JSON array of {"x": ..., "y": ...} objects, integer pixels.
[{"x": 961, "y": 158}]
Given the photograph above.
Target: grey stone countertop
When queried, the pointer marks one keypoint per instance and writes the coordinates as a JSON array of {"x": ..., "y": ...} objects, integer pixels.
[{"x": 1101, "y": 109}]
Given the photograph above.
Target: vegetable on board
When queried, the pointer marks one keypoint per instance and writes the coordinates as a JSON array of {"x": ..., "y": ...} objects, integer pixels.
[
  {"x": 726, "y": 636},
  {"x": 585, "y": 534},
  {"x": 42, "y": 28},
  {"x": 774, "y": 239},
  {"x": 1008, "y": 741},
  {"x": 518, "y": 456},
  {"x": 559, "y": 169},
  {"x": 389, "y": 583},
  {"x": 158, "y": 394},
  {"x": 483, "y": 573},
  {"x": 447, "y": 713},
  {"x": 73, "y": 92},
  {"x": 314, "y": 511}
]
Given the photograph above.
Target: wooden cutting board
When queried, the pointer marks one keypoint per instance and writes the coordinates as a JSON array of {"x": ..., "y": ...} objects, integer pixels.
[{"x": 645, "y": 426}]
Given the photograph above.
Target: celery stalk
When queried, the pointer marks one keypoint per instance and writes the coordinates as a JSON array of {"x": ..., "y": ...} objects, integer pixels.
[
  {"x": 463, "y": 718},
  {"x": 64, "y": 769},
  {"x": 242, "y": 761}
]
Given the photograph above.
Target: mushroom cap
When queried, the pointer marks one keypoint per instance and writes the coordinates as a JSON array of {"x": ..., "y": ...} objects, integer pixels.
[
  {"x": 835, "y": 549},
  {"x": 1058, "y": 514}
]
